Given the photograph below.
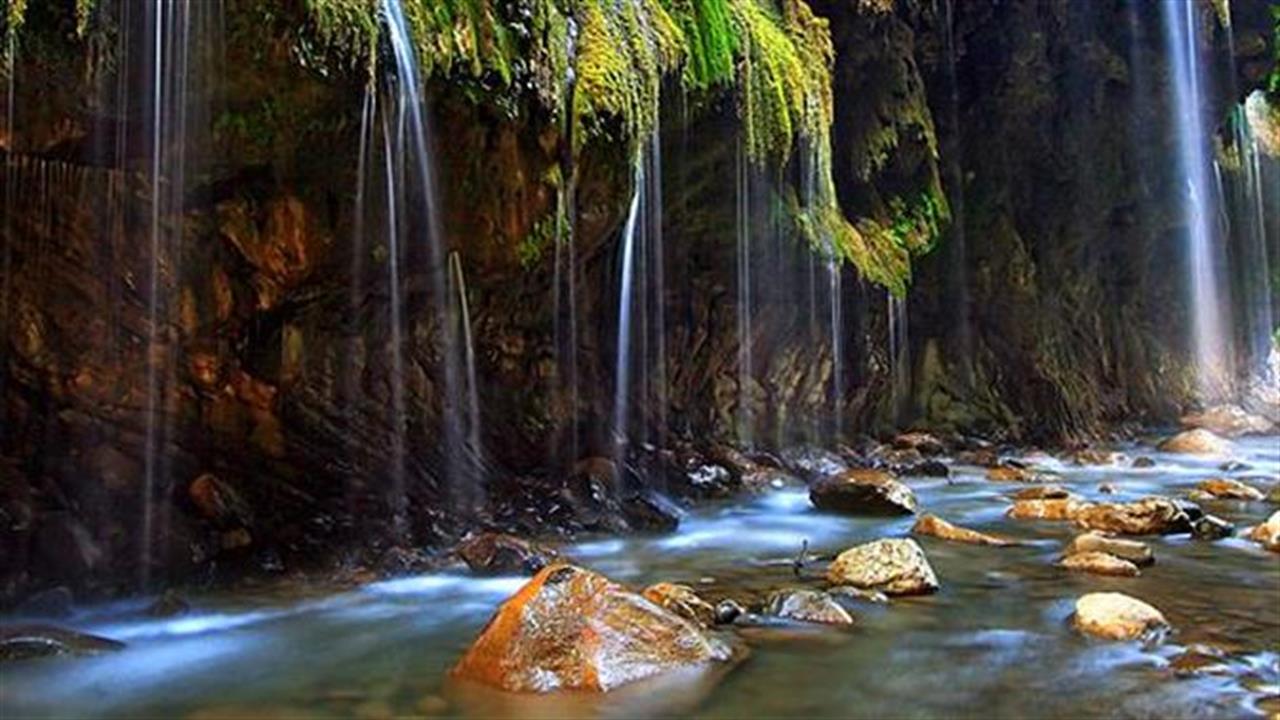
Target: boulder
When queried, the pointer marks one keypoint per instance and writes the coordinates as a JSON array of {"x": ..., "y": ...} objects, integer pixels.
[
  {"x": 1211, "y": 528},
  {"x": 812, "y": 463},
  {"x": 1100, "y": 563},
  {"x": 894, "y": 567},
  {"x": 1094, "y": 456},
  {"x": 1228, "y": 421},
  {"x": 1053, "y": 509},
  {"x": 1143, "y": 462},
  {"x": 24, "y": 642},
  {"x": 923, "y": 442},
  {"x": 984, "y": 457},
  {"x": 1010, "y": 473},
  {"x": 863, "y": 492},
  {"x": 1226, "y": 489},
  {"x": 934, "y": 526},
  {"x": 810, "y": 606},
  {"x": 573, "y": 629},
  {"x": 1149, "y": 516},
  {"x": 1115, "y": 616},
  {"x": 1042, "y": 492},
  {"x": 1195, "y": 442},
  {"x": 499, "y": 554},
  {"x": 1268, "y": 533},
  {"x": 1093, "y": 542},
  {"x": 930, "y": 468},
  {"x": 683, "y": 601}
]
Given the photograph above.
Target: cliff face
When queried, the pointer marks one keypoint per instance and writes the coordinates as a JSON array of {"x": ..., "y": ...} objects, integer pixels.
[{"x": 249, "y": 427}]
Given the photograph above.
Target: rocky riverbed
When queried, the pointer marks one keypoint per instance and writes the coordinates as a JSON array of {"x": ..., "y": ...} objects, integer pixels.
[{"x": 1106, "y": 603}]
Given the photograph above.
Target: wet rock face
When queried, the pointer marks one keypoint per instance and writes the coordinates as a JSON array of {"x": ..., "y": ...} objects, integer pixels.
[
  {"x": 1149, "y": 516},
  {"x": 894, "y": 567},
  {"x": 683, "y": 601},
  {"x": 863, "y": 492},
  {"x": 1115, "y": 616},
  {"x": 1195, "y": 442},
  {"x": 499, "y": 554},
  {"x": 810, "y": 606},
  {"x": 572, "y": 629},
  {"x": 934, "y": 526}
]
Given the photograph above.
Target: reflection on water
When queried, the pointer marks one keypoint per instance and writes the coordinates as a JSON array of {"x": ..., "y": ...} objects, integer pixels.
[{"x": 995, "y": 642}]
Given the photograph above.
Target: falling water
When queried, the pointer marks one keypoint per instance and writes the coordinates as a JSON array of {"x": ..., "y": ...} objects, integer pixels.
[
  {"x": 655, "y": 369},
  {"x": 463, "y": 311},
  {"x": 1251, "y": 192},
  {"x": 398, "y": 499},
  {"x": 625, "y": 302},
  {"x": 1211, "y": 352},
  {"x": 837, "y": 343},
  {"x": 953, "y": 150},
  {"x": 899, "y": 354},
  {"x": 745, "y": 370}
]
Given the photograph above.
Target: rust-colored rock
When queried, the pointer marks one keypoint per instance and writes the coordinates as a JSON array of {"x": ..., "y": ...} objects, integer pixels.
[
  {"x": 923, "y": 442},
  {"x": 1100, "y": 563},
  {"x": 1196, "y": 442},
  {"x": 810, "y": 606},
  {"x": 1268, "y": 533},
  {"x": 934, "y": 526},
  {"x": 894, "y": 567},
  {"x": 1042, "y": 492},
  {"x": 1054, "y": 509},
  {"x": 1148, "y": 516},
  {"x": 1135, "y": 552},
  {"x": 500, "y": 554},
  {"x": 683, "y": 601},
  {"x": 572, "y": 629},
  {"x": 869, "y": 492},
  {"x": 1011, "y": 474},
  {"x": 1115, "y": 616},
  {"x": 1227, "y": 489}
]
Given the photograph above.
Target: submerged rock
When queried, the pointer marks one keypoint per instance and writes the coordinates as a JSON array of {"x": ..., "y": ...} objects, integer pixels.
[
  {"x": 1011, "y": 473},
  {"x": 1100, "y": 563},
  {"x": 934, "y": 526},
  {"x": 1226, "y": 489},
  {"x": 869, "y": 492},
  {"x": 1143, "y": 462},
  {"x": 24, "y": 642},
  {"x": 1149, "y": 516},
  {"x": 1042, "y": 492},
  {"x": 500, "y": 554},
  {"x": 1052, "y": 509},
  {"x": 1094, "y": 542},
  {"x": 1195, "y": 442},
  {"x": 1229, "y": 421},
  {"x": 1115, "y": 616},
  {"x": 811, "y": 606},
  {"x": 683, "y": 601},
  {"x": 894, "y": 567},
  {"x": 573, "y": 629}
]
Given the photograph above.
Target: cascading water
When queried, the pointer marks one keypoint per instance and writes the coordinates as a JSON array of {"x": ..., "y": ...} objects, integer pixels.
[
  {"x": 397, "y": 498},
  {"x": 1250, "y": 207},
  {"x": 745, "y": 421},
  {"x": 565, "y": 281},
  {"x": 899, "y": 355},
  {"x": 1210, "y": 349},
  {"x": 462, "y": 309},
  {"x": 626, "y": 302}
]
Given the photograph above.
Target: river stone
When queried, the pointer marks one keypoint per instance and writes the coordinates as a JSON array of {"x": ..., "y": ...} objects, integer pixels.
[
  {"x": 1115, "y": 616},
  {"x": 1131, "y": 550},
  {"x": 810, "y": 606},
  {"x": 573, "y": 629},
  {"x": 1195, "y": 442},
  {"x": 812, "y": 463},
  {"x": 24, "y": 642},
  {"x": 1093, "y": 456},
  {"x": 1148, "y": 516},
  {"x": 934, "y": 526},
  {"x": 1100, "y": 563},
  {"x": 1054, "y": 509},
  {"x": 1268, "y": 533},
  {"x": 683, "y": 601},
  {"x": 1211, "y": 528},
  {"x": 1042, "y": 492},
  {"x": 1010, "y": 473},
  {"x": 894, "y": 567},
  {"x": 1143, "y": 462},
  {"x": 863, "y": 492},
  {"x": 500, "y": 554},
  {"x": 923, "y": 442},
  {"x": 1228, "y": 421},
  {"x": 1228, "y": 489}
]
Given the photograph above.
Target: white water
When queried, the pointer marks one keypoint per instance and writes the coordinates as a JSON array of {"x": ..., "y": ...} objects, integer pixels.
[
  {"x": 622, "y": 360},
  {"x": 899, "y": 354},
  {"x": 745, "y": 421},
  {"x": 1253, "y": 190},
  {"x": 393, "y": 175},
  {"x": 1204, "y": 251},
  {"x": 474, "y": 450}
]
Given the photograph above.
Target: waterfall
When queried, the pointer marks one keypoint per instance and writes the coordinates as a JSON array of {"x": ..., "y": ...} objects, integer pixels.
[
  {"x": 899, "y": 355},
  {"x": 1210, "y": 350},
  {"x": 956, "y": 243},
  {"x": 397, "y": 499},
  {"x": 1251, "y": 191},
  {"x": 837, "y": 343},
  {"x": 626, "y": 302},
  {"x": 474, "y": 495},
  {"x": 745, "y": 421}
]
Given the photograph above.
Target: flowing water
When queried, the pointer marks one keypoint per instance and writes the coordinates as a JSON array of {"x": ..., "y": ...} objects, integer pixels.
[
  {"x": 1249, "y": 209},
  {"x": 746, "y": 377},
  {"x": 1204, "y": 250},
  {"x": 899, "y": 355},
  {"x": 626, "y": 308},
  {"x": 994, "y": 642},
  {"x": 472, "y": 417}
]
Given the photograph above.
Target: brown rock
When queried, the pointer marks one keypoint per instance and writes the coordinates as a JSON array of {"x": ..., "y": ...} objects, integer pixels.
[
  {"x": 809, "y": 606},
  {"x": 572, "y": 629},
  {"x": 924, "y": 443},
  {"x": 1195, "y": 442},
  {"x": 1042, "y": 492},
  {"x": 869, "y": 492},
  {"x": 1130, "y": 550},
  {"x": 1228, "y": 421},
  {"x": 1100, "y": 563},
  {"x": 218, "y": 501},
  {"x": 979, "y": 458},
  {"x": 1228, "y": 489},
  {"x": 1149, "y": 516},
  {"x": 500, "y": 554},
  {"x": 1010, "y": 473},
  {"x": 934, "y": 526},
  {"x": 1268, "y": 533},
  {"x": 894, "y": 567},
  {"x": 1055, "y": 509},
  {"x": 1114, "y": 616},
  {"x": 683, "y": 601},
  {"x": 1093, "y": 456}
]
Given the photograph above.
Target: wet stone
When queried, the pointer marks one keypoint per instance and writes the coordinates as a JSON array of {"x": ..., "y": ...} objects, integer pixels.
[
  {"x": 863, "y": 492},
  {"x": 1115, "y": 616},
  {"x": 1211, "y": 528},
  {"x": 894, "y": 567},
  {"x": 811, "y": 606},
  {"x": 1100, "y": 563},
  {"x": 1133, "y": 551}
]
